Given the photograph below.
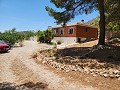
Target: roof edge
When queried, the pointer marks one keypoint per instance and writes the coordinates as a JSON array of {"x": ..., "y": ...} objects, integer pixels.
[{"x": 78, "y": 23}]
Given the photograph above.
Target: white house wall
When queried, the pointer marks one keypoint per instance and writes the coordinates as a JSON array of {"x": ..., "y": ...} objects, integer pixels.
[
  {"x": 83, "y": 39},
  {"x": 66, "y": 40}
]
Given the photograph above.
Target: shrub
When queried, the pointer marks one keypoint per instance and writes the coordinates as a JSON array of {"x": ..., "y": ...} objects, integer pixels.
[
  {"x": 28, "y": 34},
  {"x": 45, "y": 36},
  {"x": 59, "y": 42},
  {"x": 11, "y": 36}
]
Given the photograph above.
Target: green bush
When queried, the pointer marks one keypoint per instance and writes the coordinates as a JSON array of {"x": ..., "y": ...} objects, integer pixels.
[
  {"x": 40, "y": 36},
  {"x": 11, "y": 36},
  {"x": 59, "y": 42},
  {"x": 45, "y": 36},
  {"x": 28, "y": 34}
]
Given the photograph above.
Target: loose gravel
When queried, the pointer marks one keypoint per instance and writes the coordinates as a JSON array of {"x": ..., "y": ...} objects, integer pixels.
[{"x": 17, "y": 67}]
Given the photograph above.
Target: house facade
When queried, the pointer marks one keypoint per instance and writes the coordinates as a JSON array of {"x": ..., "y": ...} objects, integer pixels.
[{"x": 74, "y": 33}]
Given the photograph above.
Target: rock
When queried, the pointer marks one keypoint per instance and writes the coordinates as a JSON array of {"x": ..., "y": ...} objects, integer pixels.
[
  {"x": 76, "y": 69},
  {"x": 112, "y": 76},
  {"x": 62, "y": 68},
  {"x": 73, "y": 69},
  {"x": 105, "y": 75},
  {"x": 86, "y": 70},
  {"x": 96, "y": 72},
  {"x": 50, "y": 60},
  {"x": 44, "y": 62},
  {"x": 102, "y": 73},
  {"x": 110, "y": 71},
  {"x": 116, "y": 72},
  {"x": 119, "y": 78},
  {"x": 76, "y": 65},
  {"x": 92, "y": 70},
  {"x": 54, "y": 62},
  {"x": 94, "y": 75},
  {"x": 80, "y": 69},
  {"x": 53, "y": 57},
  {"x": 67, "y": 70}
]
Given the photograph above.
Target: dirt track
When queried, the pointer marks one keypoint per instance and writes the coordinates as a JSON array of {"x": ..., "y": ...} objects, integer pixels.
[{"x": 18, "y": 67}]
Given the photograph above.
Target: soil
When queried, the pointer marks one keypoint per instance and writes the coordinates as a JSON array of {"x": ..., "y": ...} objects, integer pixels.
[
  {"x": 86, "y": 56},
  {"x": 108, "y": 58},
  {"x": 18, "y": 68},
  {"x": 100, "y": 83}
]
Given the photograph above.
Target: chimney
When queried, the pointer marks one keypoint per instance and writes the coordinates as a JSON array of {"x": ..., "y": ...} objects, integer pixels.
[
  {"x": 82, "y": 21},
  {"x": 50, "y": 27}
]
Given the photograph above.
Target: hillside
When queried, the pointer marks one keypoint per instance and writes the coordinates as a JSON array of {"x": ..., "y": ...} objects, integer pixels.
[{"x": 94, "y": 22}]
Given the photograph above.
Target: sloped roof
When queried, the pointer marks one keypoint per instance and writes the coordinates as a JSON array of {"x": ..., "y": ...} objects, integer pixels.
[{"x": 76, "y": 23}]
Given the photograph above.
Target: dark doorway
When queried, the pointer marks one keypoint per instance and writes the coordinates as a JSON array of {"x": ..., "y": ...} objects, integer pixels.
[{"x": 79, "y": 40}]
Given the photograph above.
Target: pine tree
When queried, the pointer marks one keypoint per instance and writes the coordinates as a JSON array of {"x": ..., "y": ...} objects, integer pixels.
[{"x": 72, "y": 8}]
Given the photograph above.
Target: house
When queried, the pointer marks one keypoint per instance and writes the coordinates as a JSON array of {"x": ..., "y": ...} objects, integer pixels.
[{"x": 73, "y": 33}]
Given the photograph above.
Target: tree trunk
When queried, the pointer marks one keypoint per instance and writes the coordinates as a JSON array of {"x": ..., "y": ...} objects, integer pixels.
[{"x": 101, "y": 23}]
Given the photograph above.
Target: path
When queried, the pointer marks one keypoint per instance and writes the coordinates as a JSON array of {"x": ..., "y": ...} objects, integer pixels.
[{"x": 18, "y": 67}]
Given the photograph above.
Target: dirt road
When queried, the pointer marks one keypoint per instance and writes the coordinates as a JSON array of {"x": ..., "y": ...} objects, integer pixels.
[{"x": 18, "y": 67}]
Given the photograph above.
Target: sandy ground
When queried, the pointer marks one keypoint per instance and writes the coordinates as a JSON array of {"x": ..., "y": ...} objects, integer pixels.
[
  {"x": 98, "y": 82},
  {"x": 18, "y": 67}
]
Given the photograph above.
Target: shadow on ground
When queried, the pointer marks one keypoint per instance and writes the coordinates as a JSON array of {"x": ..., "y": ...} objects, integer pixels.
[
  {"x": 4, "y": 52},
  {"x": 109, "y": 55},
  {"x": 26, "y": 86}
]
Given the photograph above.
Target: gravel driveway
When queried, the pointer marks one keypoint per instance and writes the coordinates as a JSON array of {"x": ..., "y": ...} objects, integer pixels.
[{"x": 18, "y": 67}]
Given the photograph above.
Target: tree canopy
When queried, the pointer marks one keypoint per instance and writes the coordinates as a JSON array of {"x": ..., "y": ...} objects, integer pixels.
[
  {"x": 71, "y": 8},
  {"x": 113, "y": 10},
  {"x": 12, "y": 36},
  {"x": 112, "y": 16}
]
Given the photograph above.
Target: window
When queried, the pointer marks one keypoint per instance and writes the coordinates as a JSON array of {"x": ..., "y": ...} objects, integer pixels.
[
  {"x": 61, "y": 31},
  {"x": 56, "y": 31},
  {"x": 70, "y": 31},
  {"x": 86, "y": 29}
]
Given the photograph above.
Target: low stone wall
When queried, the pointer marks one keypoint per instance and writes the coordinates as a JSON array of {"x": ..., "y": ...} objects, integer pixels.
[{"x": 107, "y": 73}]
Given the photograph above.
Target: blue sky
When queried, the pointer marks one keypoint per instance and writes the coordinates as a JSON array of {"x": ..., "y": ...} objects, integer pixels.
[{"x": 30, "y": 15}]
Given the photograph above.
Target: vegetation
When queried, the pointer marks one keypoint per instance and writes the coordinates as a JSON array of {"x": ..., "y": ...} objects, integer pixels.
[
  {"x": 28, "y": 34},
  {"x": 0, "y": 33},
  {"x": 74, "y": 7},
  {"x": 111, "y": 26},
  {"x": 113, "y": 15},
  {"x": 40, "y": 36},
  {"x": 112, "y": 8},
  {"x": 45, "y": 36},
  {"x": 59, "y": 42},
  {"x": 12, "y": 36},
  {"x": 94, "y": 22}
]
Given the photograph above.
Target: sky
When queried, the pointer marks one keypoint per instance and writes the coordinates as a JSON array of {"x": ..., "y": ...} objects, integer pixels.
[{"x": 31, "y": 15}]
